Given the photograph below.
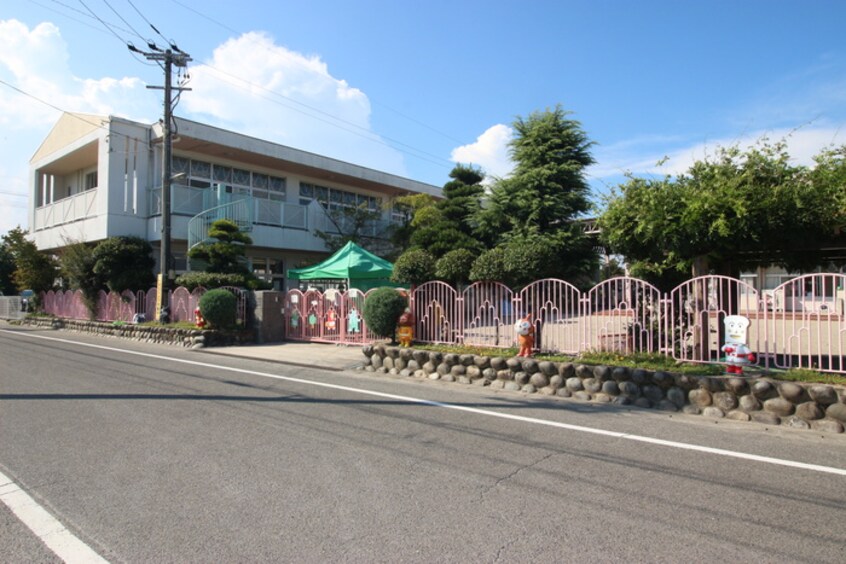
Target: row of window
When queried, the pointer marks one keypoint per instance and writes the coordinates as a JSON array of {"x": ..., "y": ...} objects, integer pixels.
[
  {"x": 202, "y": 174},
  {"x": 335, "y": 198}
]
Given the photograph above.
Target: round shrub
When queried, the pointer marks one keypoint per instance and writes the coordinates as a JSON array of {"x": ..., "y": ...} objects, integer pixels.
[
  {"x": 414, "y": 266},
  {"x": 218, "y": 307},
  {"x": 382, "y": 310}
]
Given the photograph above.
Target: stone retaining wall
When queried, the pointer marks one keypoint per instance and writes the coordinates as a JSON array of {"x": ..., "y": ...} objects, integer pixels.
[
  {"x": 805, "y": 406},
  {"x": 195, "y": 338}
]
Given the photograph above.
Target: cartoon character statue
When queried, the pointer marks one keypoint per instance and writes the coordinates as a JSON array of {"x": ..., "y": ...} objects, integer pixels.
[
  {"x": 353, "y": 321},
  {"x": 737, "y": 353},
  {"x": 405, "y": 328},
  {"x": 198, "y": 318},
  {"x": 331, "y": 319},
  {"x": 525, "y": 335}
]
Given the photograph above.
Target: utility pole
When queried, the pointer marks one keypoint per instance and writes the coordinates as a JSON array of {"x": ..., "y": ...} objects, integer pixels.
[{"x": 170, "y": 57}]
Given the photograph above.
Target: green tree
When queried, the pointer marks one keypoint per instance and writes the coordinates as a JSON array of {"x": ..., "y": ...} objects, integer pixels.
[
  {"x": 450, "y": 223},
  {"x": 34, "y": 270},
  {"x": 538, "y": 203},
  {"x": 77, "y": 268},
  {"x": 227, "y": 254},
  {"x": 7, "y": 271},
  {"x": 124, "y": 263},
  {"x": 454, "y": 267},
  {"x": 735, "y": 210},
  {"x": 358, "y": 224},
  {"x": 414, "y": 266}
]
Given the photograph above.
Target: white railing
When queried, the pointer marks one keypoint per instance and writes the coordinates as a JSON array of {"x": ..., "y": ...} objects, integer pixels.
[{"x": 73, "y": 208}]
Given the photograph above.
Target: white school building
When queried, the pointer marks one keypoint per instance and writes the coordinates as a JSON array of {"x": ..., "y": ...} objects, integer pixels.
[{"x": 95, "y": 177}]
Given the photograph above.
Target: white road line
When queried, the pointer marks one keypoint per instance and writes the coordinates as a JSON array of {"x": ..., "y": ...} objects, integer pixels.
[
  {"x": 62, "y": 542},
  {"x": 485, "y": 412}
]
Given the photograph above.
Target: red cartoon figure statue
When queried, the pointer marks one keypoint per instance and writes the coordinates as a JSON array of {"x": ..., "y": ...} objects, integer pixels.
[
  {"x": 198, "y": 318},
  {"x": 738, "y": 354},
  {"x": 525, "y": 335},
  {"x": 405, "y": 328}
]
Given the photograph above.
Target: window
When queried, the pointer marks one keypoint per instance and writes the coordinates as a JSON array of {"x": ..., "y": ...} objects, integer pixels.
[{"x": 91, "y": 180}]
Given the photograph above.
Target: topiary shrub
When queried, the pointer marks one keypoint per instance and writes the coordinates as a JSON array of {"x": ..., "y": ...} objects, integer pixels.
[
  {"x": 218, "y": 307},
  {"x": 208, "y": 280},
  {"x": 414, "y": 266},
  {"x": 382, "y": 310}
]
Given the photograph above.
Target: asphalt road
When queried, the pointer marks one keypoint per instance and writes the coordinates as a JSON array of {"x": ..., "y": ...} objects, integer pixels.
[{"x": 155, "y": 454}]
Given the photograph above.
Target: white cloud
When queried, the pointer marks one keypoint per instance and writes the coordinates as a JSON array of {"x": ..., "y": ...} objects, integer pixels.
[
  {"x": 490, "y": 151},
  {"x": 249, "y": 86},
  {"x": 253, "y": 86},
  {"x": 35, "y": 61},
  {"x": 640, "y": 157}
]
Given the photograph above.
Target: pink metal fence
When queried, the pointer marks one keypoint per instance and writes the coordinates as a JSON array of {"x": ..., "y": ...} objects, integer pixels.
[
  {"x": 124, "y": 306},
  {"x": 802, "y": 323}
]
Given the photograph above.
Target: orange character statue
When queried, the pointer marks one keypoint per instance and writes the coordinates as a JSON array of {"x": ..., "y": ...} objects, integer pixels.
[
  {"x": 405, "y": 328},
  {"x": 525, "y": 335},
  {"x": 198, "y": 318}
]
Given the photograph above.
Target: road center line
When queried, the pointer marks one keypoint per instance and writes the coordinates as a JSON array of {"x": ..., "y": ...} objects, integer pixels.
[{"x": 478, "y": 411}]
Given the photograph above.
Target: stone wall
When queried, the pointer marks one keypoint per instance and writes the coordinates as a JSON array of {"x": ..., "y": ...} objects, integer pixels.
[
  {"x": 805, "y": 406},
  {"x": 147, "y": 333}
]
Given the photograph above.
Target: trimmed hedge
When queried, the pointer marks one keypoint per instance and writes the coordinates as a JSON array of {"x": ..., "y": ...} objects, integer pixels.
[
  {"x": 382, "y": 311},
  {"x": 219, "y": 307}
]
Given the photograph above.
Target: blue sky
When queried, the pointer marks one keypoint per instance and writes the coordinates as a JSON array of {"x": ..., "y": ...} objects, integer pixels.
[{"x": 412, "y": 87}]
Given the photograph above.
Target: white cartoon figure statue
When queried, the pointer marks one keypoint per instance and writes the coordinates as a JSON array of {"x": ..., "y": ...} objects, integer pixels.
[
  {"x": 738, "y": 354},
  {"x": 525, "y": 335}
]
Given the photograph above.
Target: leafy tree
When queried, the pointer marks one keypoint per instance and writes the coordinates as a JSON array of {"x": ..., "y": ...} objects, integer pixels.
[
  {"x": 415, "y": 266},
  {"x": 7, "y": 271},
  {"x": 124, "y": 263},
  {"x": 227, "y": 254},
  {"x": 77, "y": 267},
  {"x": 491, "y": 267},
  {"x": 537, "y": 204},
  {"x": 728, "y": 212},
  {"x": 450, "y": 223},
  {"x": 409, "y": 206},
  {"x": 34, "y": 270},
  {"x": 454, "y": 267},
  {"x": 352, "y": 223}
]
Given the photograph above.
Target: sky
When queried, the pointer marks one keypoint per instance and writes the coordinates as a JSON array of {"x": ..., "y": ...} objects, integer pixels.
[{"x": 412, "y": 88}]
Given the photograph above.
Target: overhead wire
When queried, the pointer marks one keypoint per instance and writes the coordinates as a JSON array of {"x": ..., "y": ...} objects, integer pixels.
[
  {"x": 328, "y": 118},
  {"x": 401, "y": 114}
]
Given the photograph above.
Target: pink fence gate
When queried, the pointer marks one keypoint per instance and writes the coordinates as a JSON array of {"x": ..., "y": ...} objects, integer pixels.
[{"x": 330, "y": 317}]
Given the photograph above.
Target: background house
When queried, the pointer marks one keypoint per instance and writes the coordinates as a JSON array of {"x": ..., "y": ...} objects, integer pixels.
[{"x": 95, "y": 177}]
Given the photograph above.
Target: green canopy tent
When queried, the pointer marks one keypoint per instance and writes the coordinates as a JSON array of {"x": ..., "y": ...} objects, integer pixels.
[{"x": 352, "y": 266}]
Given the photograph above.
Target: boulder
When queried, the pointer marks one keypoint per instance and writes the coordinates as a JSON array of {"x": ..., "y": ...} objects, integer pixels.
[
  {"x": 779, "y": 406},
  {"x": 809, "y": 411},
  {"x": 823, "y": 395},
  {"x": 700, "y": 397},
  {"x": 794, "y": 393},
  {"x": 827, "y": 426},
  {"x": 837, "y": 411},
  {"x": 737, "y": 415},
  {"x": 574, "y": 384},
  {"x": 725, "y": 400},
  {"x": 713, "y": 412},
  {"x": 749, "y": 403},
  {"x": 592, "y": 385}
]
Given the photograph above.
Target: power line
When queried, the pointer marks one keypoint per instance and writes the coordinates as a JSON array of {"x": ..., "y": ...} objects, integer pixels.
[
  {"x": 73, "y": 115},
  {"x": 397, "y": 112},
  {"x": 353, "y": 127},
  {"x": 126, "y": 22}
]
